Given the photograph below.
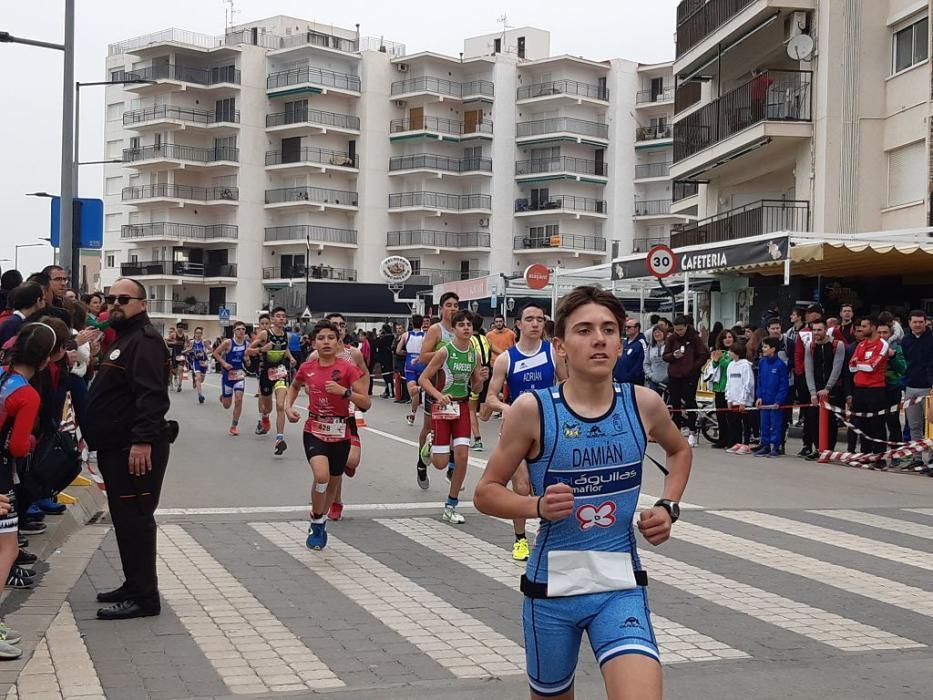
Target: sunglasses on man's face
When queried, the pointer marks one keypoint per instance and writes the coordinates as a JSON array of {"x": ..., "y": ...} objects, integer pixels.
[{"x": 122, "y": 299}]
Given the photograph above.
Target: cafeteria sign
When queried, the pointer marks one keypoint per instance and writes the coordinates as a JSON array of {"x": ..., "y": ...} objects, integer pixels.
[{"x": 709, "y": 259}]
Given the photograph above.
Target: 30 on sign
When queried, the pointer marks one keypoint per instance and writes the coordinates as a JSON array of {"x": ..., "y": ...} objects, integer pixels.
[{"x": 662, "y": 262}]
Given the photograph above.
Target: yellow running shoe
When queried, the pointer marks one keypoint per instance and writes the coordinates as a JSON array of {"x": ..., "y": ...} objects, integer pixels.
[{"x": 520, "y": 550}]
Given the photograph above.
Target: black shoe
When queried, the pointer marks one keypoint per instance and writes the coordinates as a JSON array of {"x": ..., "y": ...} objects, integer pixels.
[
  {"x": 280, "y": 447},
  {"x": 32, "y": 528},
  {"x": 25, "y": 558},
  {"x": 117, "y": 595},
  {"x": 129, "y": 609},
  {"x": 22, "y": 572},
  {"x": 813, "y": 456},
  {"x": 13, "y": 581},
  {"x": 23, "y": 542},
  {"x": 805, "y": 451}
]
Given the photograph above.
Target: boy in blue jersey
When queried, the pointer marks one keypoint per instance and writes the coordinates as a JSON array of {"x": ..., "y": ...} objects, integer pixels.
[
  {"x": 584, "y": 442},
  {"x": 198, "y": 353},
  {"x": 524, "y": 367},
  {"x": 409, "y": 344},
  {"x": 231, "y": 355}
]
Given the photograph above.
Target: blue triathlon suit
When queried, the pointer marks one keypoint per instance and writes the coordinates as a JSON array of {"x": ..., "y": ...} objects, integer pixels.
[
  {"x": 529, "y": 372},
  {"x": 198, "y": 357},
  {"x": 587, "y": 560},
  {"x": 234, "y": 379},
  {"x": 413, "y": 345}
]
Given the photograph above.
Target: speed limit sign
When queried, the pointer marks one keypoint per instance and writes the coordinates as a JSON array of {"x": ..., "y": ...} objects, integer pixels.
[{"x": 661, "y": 261}]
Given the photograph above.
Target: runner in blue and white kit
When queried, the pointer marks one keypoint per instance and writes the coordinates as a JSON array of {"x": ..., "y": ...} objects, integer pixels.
[
  {"x": 584, "y": 442},
  {"x": 410, "y": 343},
  {"x": 231, "y": 355},
  {"x": 524, "y": 367},
  {"x": 198, "y": 353}
]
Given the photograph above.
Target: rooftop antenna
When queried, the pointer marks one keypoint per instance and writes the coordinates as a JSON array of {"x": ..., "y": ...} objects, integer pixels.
[
  {"x": 230, "y": 12},
  {"x": 503, "y": 19}
]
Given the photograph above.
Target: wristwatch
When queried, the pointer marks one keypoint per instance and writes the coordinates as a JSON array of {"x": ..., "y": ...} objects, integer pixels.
[
  {"x": 672, "y": 508},
  {"x": 348, "y": 393}
]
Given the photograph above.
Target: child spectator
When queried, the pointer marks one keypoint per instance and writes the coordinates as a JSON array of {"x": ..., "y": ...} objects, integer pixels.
[
  {"x": 740, "y": 395},
  {"x": 771, "y": 393}
]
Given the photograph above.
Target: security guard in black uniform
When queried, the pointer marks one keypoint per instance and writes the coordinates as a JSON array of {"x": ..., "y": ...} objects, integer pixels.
[{"x": 126, "y": 424}]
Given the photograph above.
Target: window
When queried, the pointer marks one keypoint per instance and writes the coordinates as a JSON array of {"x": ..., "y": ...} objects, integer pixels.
[
  {"x": 113, "y": 185},
  {"x": 117, "y": 75},
  {"x": 497, "y": 46},
  {"x": 110, "y": 259},
  {"x": 906, "y": 174},
  {"x": 112, "y": 222},
  {"x": 910, "y": 45},
  {"x": 115, "y": 148},
  {"x": 521, "y": 47},
  {"x": 115, "y": 112}
]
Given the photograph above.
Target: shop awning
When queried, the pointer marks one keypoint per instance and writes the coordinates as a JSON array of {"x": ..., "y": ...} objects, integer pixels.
[{"x": 855, "y": 258}]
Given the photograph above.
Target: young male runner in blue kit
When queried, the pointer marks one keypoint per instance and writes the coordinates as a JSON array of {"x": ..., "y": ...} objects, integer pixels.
[
  {"x": 199, "y": 354},
  {"x": 584, "y": 442},
  {"x": 230, "y": 355}
]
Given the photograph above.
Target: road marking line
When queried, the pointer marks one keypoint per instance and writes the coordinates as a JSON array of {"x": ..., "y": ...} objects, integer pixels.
[
  {"x": 347, "y": 508},
  {"x": 904, "y": 527},
  {"x": 678, "y": 644},
  {"x": 463, "y": 645},
  {"x": 63, "y": 656},
  {"x": 219, "y": 612},
  {"x": 644, "y": 500},
  {"x": 922, "y": 511},
  {"x": 835, "y": 538},
  {"x": 900, "y": 595}
]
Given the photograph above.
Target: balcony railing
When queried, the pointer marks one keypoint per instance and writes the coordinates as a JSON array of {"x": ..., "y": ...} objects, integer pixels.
[
  {"x": 430, "y": 161},
  {"x": 442, "y": 86},
  {"x": 327, "y": 41},
  {"x": 563, "y": 201},
  {"x": 570, "y": 125},
  {"x": 177, "y": 268},
  {"x": 182, "y": 114},
  {"x": 687, "y": 94},
  {"x": 439, "y": 239},
  {"x": 166, "y": 190},
  {"x": 643, "y": 170},
  {"x": 643, "y": 245},
  {"x": 198, "y": 308},
  {"x": 684, "y": 189},
  {"x": 652, "y": 207},
  {"x": 697, "y": 19},
  {"x": 315, "y": 234},
  {"x": 318, "y": 195},
  {"x": 314, "y": 116},
  {"x": 653, "y": 133},
  {"x": 315, "y": 272},
  {"x": 775, "y": 95},
  {"x": 178, "y": 232},
  {"x": 440, "y": 125},
  {"x": 563, "y": 87},
  {"x": 649, "y": 96},
  {"x": 561, "y": 164},
  {"x": 764, "y": 216},
  {"x": 175, "y": 151},
  {"x": 315, "y": 76},
  {"x": 432, "y": 276},
  {"x": 320, "y": 156},
  {"x": 573, "y": 241},
  {"x": 440, "y": 200},
  {"x": 186, "y": 74}
]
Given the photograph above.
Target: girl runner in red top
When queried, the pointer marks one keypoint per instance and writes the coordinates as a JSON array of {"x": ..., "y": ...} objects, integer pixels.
[{"x": 331, "y": 383}]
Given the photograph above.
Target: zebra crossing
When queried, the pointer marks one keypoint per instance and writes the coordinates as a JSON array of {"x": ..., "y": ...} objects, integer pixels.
[{"x": 398, "y": 598}]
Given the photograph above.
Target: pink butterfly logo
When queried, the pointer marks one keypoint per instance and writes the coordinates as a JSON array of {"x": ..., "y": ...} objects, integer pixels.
[{"x": 593, "y": 516}]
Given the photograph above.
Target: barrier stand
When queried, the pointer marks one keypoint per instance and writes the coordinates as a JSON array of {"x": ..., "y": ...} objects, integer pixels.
[
  {"x": 928, "y": 414},
  {"x": 823, "y": 441}
]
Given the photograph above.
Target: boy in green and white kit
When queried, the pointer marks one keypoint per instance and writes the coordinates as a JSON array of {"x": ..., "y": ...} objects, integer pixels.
[{"x": 450, "y": 414}]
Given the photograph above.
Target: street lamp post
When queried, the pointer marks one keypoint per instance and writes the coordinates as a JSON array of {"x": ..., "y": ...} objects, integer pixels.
[{"x": 16, "y": 251}]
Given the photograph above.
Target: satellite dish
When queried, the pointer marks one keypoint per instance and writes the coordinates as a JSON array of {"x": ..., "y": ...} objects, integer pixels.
[{"x": 800, "y": 47}]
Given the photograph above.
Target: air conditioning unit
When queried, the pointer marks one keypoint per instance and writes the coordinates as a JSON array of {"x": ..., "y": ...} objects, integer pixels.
[
  {"x": 484, "y": 222},
  {"x": 400, "y": 103},
  {"x": 402, "y": 67},
  {"x": 797, "y": 23}
]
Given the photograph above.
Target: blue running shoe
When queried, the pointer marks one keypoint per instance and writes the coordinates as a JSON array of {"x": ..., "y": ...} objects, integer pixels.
[
  {"x": 317, "y": 536},
  {"x": 34, "y": 513},
  {"x": 50, "y": 506},
  {"x": 200, "y": 398}
]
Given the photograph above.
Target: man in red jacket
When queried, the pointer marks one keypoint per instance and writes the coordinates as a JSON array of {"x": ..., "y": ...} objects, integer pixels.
[{"x": 868, "y": 365}]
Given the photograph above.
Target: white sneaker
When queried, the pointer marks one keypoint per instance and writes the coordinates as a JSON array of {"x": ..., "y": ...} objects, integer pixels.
[
  {"x": 451, "y": 516},
  {"x": 10, "y": 636},
  {"x": 692, "y": 440},
  {"x": 731, "y": 450},
  {"x": 743, "y": 450},
  {"x": 8, "y": 652}
]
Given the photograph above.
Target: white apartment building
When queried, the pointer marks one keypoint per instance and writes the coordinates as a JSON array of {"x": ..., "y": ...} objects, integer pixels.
[
  {"x": 806, "y": 115},
  {"x": 285, "y": 147}
]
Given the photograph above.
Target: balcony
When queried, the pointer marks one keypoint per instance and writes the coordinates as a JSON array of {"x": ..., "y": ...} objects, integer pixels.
[
  {"x": 563, "y": 204},
  {"x": 177, "y": 268},
  {"x": 651, "y": 171},
  {"x": 169, "y": 72},
  {"x": 571, "y": 90},
  {"x": 176, "y": 307},
  {"x": 561, "y": 241},
  {"x": 315, "y": 272},
  {"x": 430, "y": 276},
  {"x": 662, "y": 133},
  {"x": 443, "y": 89},
  {"x": 169, "y": 193},
  {"x": 439, "y": 128},
  {"x": 317, "y": 40},
  {"x": 167, "y": 231},
  {"x": 304, "y": 234},
  {"x": 562, "y": 129},
  {"x": 561, "y": 168},
  {"x": 161, "y": 116},
  {"x": 178, "y": 155},
  {"x": 316, "y": 197},
  {"x": 438, "y": 240},
  {"x": 645, "y": 98},
  {"x": 321, "y": 159},
  {"x": 298, "y": 119},
  {"x": 684, "y": 189},
  {"x": 652, "y": 208},
  {"x": 764, "y": 216},
  {"x": 400, "y": 165},
  {"x": 438, "y": 202},
  {"x": 643, "y": 245},
  {"x": 310, "y": 79},
  {"x": 782, "y": 97}
]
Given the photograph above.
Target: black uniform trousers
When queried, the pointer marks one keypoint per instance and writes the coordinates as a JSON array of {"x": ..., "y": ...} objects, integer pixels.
[{"x": 133, "y": 501}]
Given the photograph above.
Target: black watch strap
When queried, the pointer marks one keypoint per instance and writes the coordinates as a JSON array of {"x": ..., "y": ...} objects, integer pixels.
[
  {"x": 672, "y": 508},
  {"x": 348, "y": 393}
]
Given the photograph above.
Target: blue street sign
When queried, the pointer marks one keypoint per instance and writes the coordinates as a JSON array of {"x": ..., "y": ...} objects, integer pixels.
[
  {"x": 223, "y": 313},
  {"x": 89, "y": 220}
]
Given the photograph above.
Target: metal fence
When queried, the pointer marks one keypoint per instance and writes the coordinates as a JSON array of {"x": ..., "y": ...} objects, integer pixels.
[
  {"x": 315, "y": 76},
  {"x": 563, "y": 87},
  {"x": 580, "y": 166},
  {"x": 570, "y": 125},
  {"x": 183, "y": 114},
  {"x": 436, "y": 162},
  {"x": 440, "y": 200},
  {"x": 314, "y": 116},
  {"x": 176, "y": 151},
  {"x": 563, "y": 201},
  {"x": 180, "y": 232},
  {"x": 440, "y": 239},
  {"x": 316, "y": 234},
  {"x": 322, "y": 156},
  {"x": 166, "y": 190},
  {"x": 763, "y": 216},
  {"x": 319, "y": 195},
  {"x": 573, "y": 241}
]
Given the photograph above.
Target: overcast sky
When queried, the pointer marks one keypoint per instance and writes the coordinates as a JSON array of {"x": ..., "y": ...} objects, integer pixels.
[{"x": 31, "y": 78}]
